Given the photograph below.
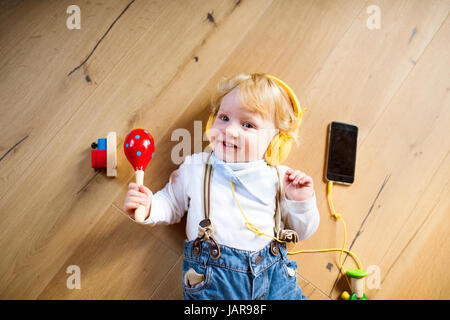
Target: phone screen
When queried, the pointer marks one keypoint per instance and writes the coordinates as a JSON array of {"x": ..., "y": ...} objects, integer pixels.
[{"x": 341, "y": 160}]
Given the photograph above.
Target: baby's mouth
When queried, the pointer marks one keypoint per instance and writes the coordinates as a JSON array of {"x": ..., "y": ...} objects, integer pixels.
[{"x": 229, "y": 145}]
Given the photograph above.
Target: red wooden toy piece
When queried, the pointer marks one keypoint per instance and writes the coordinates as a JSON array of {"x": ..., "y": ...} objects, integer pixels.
[
  {"x": 104, "y": 154},
  {"x": 139, "y": 148},
  {"x": 98, "y": 158}
]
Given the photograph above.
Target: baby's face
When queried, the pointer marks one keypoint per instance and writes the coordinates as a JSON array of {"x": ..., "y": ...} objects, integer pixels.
[{"x": 238, "y": 135}]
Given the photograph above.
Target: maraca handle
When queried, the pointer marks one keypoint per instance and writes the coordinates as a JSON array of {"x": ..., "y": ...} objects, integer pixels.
[
  {"x": 139, "y": 213},
  {"x": 139, "y": 177}
]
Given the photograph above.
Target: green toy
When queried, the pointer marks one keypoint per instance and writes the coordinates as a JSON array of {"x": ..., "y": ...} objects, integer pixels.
[{"x": 357, "y": 281}]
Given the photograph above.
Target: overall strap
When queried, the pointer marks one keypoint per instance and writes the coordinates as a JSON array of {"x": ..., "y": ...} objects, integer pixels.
[
  {"x": 207, "y": 175},
  {"x": 205, "y": 227},
  {"x": 278, "y": 204},
  {"x": 282, "y": 234}
]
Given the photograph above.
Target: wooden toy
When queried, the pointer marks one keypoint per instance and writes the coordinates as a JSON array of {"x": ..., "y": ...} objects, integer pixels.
[
  {"x": 357, "y": 282},
  {"x": 139, "y": 148},
  {"x": 104, "y": 154}
]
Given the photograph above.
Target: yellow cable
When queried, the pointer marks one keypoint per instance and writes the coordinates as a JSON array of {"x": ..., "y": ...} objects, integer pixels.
[
  {"x": 254, "y": 229},
  {"x": 250, "y": 225}
]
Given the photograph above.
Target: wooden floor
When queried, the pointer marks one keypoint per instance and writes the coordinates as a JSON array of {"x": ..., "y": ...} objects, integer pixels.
[{"x": 155, "y": 64}]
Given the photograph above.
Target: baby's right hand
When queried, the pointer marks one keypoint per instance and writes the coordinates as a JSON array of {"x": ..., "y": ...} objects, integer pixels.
[{"x": 137, "y": 196}]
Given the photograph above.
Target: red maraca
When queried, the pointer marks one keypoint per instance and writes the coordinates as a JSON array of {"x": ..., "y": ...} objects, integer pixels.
[{"x": 139, "y": 149}]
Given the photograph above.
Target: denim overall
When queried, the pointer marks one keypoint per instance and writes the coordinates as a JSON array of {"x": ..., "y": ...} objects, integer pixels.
[{"x": 212, "y": 271}]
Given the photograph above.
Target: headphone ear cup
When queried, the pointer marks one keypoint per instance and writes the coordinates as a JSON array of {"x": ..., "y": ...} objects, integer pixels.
[
  {"x": 209, "y": 125},
  {"x": 272, "y": 151},
  {"x": 285, "y": 149},
  {"x": 278, "y": 149}
]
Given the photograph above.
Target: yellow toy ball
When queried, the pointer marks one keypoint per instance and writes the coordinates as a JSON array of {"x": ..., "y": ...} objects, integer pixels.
[{"x": 345, "y": 295}]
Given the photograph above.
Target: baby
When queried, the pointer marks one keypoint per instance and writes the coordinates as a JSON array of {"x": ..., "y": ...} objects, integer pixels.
[{"x": 237, "y": 198}]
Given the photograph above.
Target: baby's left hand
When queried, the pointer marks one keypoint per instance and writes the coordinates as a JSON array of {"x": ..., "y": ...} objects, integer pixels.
[{"x": 297, "y": 185}]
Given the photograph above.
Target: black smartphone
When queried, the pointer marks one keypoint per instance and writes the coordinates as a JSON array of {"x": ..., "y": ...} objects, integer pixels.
[{"x": 341, "y": 158}]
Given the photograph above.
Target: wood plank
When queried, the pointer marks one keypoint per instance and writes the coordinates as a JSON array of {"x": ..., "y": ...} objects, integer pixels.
[
  {"x": 157, "y": 68},
  {"x": 18, "y": 21},
  {"x": 116, "y": 260},
  {"x": 413, "y": 266},
  {"x": 420, "y": 144},
  {"x": 297, "y": 14},
  {"x": 356, "y": 85},
  {"x": 39, "y": 98},
  {"x": 47, "y": 217},
  {"x": 170, "y": 287},
  {"x": 310, "y": 291},
  {"x": 260, "y": 29}
]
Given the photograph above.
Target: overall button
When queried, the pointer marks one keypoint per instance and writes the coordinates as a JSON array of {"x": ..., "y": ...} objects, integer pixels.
[
  {"x": 196, "y": 248},
  {"x": 258, "y": 259},
  {"x": 214, "y": 251},
  {"x": 274, "y": 248},
  {"x": 291, "y": 272}
]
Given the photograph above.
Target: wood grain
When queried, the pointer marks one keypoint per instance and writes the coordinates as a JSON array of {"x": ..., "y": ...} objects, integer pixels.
[{"x": 155, "y": 64}]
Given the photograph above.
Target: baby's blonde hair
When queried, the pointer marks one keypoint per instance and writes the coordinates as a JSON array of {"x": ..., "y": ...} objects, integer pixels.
[{"x": 260, "y": 94}]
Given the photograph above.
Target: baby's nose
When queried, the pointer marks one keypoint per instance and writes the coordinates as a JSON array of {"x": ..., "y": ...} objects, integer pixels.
[{"x": 232, "y": 131}]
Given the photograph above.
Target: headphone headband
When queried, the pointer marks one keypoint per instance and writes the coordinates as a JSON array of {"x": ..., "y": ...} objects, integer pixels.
[{"x": 294, "y": 100}]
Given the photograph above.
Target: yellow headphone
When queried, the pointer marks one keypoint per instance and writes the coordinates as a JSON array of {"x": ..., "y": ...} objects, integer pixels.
[{"x": 280, "y": 146}]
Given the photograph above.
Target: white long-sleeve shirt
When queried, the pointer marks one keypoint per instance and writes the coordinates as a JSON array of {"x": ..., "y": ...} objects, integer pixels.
[{"x": 255, "y": 184}]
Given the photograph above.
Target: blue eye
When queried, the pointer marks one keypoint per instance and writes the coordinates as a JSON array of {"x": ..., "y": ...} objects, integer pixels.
[
  {"x": 224, "y": 118},
  {"x": 248, "y": 125}
]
